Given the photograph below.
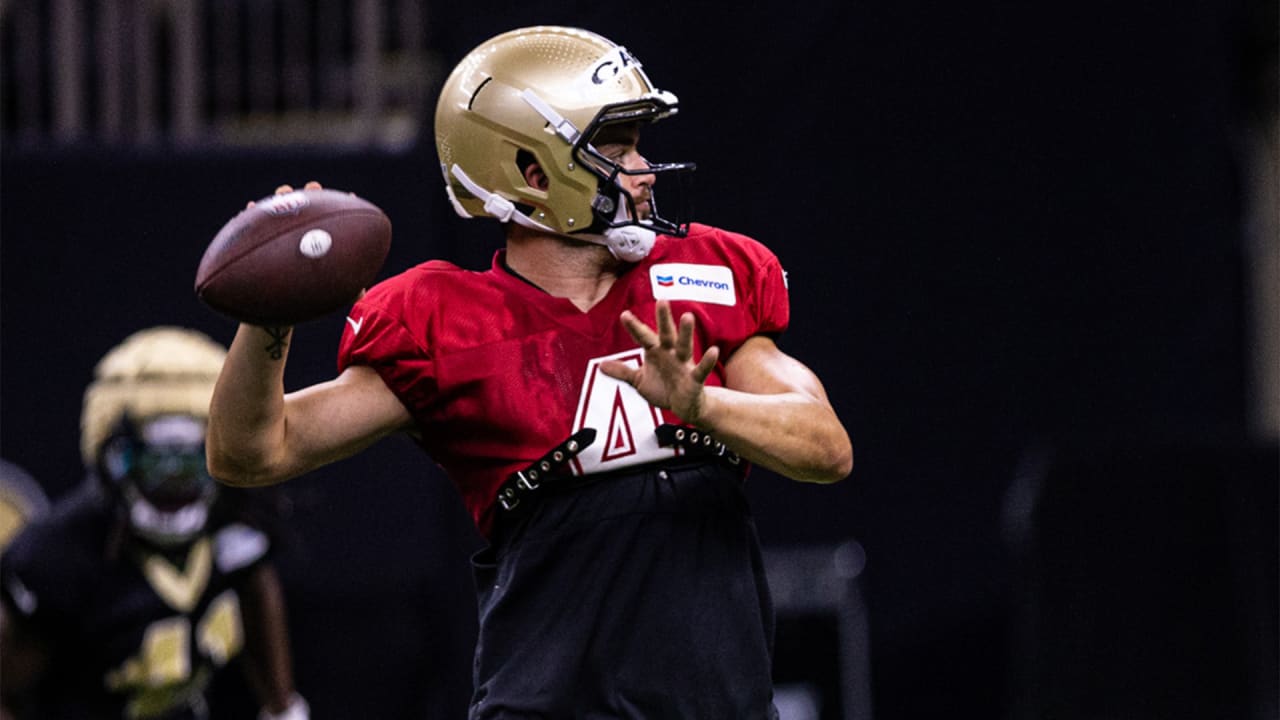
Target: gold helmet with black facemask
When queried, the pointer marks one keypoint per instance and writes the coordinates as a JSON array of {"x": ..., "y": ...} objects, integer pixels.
[
  {"x": 541, "y": 94},
  {"x": 142, "y": 429}
]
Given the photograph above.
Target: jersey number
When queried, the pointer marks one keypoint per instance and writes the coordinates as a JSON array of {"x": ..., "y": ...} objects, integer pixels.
[{"x": 160, "y": 675}]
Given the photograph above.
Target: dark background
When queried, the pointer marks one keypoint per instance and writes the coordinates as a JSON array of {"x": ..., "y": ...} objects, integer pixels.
[{"x": 1015, "y": 237}]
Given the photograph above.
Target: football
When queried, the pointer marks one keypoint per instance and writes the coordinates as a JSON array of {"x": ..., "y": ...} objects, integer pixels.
[{"x": 294, "y": 257}]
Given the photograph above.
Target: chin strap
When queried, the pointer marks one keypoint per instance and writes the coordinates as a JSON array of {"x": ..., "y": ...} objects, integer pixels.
[
  {"x": 494, "y": 204},
  {"x": 629, "y": 243}
]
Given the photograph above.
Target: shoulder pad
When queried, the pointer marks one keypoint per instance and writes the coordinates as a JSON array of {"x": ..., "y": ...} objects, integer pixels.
[{"x": 237, "y": 546}]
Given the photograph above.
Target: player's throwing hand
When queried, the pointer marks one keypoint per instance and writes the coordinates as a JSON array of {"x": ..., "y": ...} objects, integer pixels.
[{"x": 669, "y": 377}]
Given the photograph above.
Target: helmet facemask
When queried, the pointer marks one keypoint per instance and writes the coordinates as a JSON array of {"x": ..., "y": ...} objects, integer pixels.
[
  {"x": 157, "y": 472},
  {"x": 142, "y": 429},
  {"x": 626, "y": 232},
  {"x": 611, "y": 196}
]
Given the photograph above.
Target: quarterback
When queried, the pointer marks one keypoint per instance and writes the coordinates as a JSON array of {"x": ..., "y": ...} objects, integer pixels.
[{"x": 597, "y": 396}]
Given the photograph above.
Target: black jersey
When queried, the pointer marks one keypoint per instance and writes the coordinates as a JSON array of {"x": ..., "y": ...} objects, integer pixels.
[{"x": 134, "y": 632}]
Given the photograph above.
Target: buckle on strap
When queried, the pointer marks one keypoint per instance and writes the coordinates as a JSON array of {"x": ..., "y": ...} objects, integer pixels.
[
  {"x": 523, "y": 482},
  {"x": 694, "y": 442}
]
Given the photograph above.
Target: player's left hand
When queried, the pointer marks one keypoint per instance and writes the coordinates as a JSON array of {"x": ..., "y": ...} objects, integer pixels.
[{"x": 669, "y": 377}]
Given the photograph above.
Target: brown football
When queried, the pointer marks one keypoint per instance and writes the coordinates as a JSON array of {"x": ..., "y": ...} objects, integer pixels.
[{"x": 294, "y": 257}]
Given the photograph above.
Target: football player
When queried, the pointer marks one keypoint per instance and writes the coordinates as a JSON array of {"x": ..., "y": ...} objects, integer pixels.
[
  {"x": 602, "y": 456},
  {"x": 137, "y": 589}
]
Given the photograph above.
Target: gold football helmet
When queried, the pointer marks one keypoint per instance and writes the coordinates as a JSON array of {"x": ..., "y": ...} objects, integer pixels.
[{"x": 541, "y": 94}]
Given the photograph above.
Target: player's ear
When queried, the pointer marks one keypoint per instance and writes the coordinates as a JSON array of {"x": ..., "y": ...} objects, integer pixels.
[{"x": 534, "y": 176}]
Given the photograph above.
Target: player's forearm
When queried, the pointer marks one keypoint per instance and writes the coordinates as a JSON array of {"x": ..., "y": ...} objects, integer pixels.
[
  {"x": 247, "y": 415},
  {"x": 790, "y": 433}
]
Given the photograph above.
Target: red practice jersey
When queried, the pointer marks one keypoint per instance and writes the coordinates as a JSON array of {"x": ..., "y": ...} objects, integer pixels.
[{"x": 496, "y": 372}]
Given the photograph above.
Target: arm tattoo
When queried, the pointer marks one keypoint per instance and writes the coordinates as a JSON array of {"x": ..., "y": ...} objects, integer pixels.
[{"x": 279, "y": 341}]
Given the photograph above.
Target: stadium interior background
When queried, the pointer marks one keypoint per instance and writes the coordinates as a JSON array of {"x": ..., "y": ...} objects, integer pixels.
[{"x": 1032, "y": 252}]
